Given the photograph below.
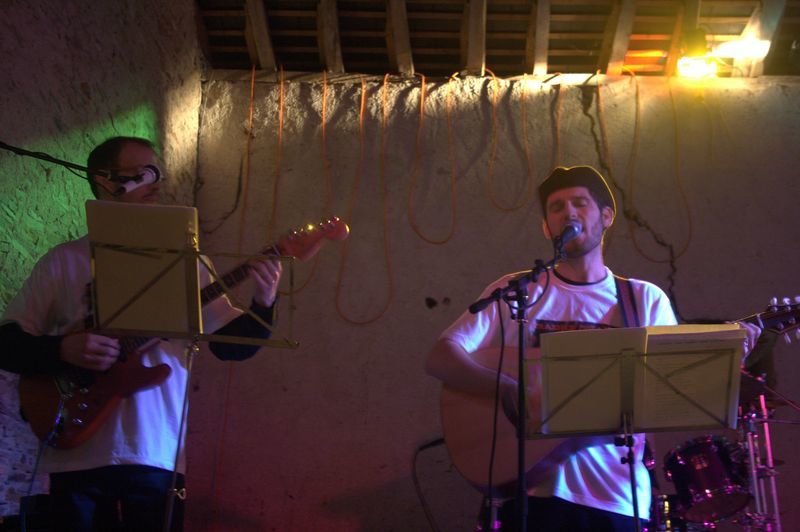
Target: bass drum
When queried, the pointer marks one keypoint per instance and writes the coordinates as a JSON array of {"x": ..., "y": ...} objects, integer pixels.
[
  {"x": 665, "y": 516},
  {"x": 710, "y": 478}
]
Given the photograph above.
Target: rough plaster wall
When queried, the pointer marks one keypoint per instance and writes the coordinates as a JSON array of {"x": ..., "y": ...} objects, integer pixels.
[
  {"x": 74, "y": 73},
  {"x": 321, "y": 438}
]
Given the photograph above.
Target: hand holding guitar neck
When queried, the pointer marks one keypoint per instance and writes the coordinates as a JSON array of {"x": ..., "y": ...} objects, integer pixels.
[
  {"x": 780, "y": 318},
  {"x": 66, "y": 410},
  {"x": 267, "y": 275}
]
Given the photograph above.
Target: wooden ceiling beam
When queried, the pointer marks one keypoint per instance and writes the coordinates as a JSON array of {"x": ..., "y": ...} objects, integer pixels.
[
  {"x": 473, "y": 37},
  {"x": 398, "y": 40},
  {"x": 256, "y": 32},
  {"x": 691, "y": 18},
  {"x": 225, "y": 33},
  {"x": 674, "y": 53},
  {"x": 763, "y": 26},
  {"x": 221, "y": 13},
  {"x": 617, "y": 37},
  {"x": 228, "y": 49},
  {"x": 330, "y": 46},
  {"x": 538, "y": 39}
]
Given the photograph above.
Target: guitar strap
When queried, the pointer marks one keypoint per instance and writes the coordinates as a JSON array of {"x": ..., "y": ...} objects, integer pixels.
[{"x": 627, "y": 302}]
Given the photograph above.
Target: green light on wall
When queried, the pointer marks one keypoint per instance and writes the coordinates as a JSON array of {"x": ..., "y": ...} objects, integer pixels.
[{"x": 41, "y": 204}]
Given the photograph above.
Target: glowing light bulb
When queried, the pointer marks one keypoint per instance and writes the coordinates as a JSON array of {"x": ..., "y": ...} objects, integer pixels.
[{"x": 697, "y": 67}]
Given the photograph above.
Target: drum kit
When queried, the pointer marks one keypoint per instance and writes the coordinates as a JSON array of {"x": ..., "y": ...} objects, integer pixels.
[{"x": 717, "y": 479}]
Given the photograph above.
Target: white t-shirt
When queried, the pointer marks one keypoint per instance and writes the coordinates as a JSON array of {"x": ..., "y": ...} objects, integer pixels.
[
  {"x": 593, "y": 476},
  {"x": 143, "y": 430}
]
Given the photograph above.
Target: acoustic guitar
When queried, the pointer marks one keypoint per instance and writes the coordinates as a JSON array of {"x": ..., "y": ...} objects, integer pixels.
[{"x": 467, "y": 420}]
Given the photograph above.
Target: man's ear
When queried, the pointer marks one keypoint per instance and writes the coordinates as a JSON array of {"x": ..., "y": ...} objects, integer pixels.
[
  {"x": 608, "y": 217},
  {"x": 546, "y": 230}
]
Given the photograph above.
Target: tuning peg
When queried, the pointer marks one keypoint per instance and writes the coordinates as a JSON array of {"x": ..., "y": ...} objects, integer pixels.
[
  {"x": 786, "y": 301},
  {"x": 797, "y": 299},
  {"x": 787, "y": 338},
  {"x": 773, "y": 304}
]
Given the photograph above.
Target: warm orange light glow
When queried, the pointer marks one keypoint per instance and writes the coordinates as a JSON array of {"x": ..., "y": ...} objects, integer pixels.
[
  {"x": 697, "y": 67},
  {"x": 639, "y": 54}
]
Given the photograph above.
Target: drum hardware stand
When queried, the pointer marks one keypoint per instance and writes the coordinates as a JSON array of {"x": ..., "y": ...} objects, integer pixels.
[
  {"x": 627, "y": 441},
  {"x": 489, "y": 522},
  {"x": 761, "y": 470}
]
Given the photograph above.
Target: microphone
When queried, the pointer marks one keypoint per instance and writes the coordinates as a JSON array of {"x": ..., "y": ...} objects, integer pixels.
[
  {"x": 570, "y": 232},
  {"x": 149, "y": 175}
]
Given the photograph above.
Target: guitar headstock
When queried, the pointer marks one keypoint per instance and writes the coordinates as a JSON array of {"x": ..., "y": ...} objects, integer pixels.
[
  {"x": 304, "y": 242},
  {"x": 780, "y": 317}
]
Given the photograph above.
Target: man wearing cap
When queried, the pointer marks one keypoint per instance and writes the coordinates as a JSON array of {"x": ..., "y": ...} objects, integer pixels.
[{"x": 590, "y": 488}]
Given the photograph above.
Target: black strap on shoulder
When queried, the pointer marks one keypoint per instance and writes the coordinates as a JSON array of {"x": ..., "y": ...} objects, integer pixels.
[{"x": 627, "y": 302}]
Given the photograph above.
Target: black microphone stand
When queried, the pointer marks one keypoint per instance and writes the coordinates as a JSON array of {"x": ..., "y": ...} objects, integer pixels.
[{"x": 515, "y": 294}]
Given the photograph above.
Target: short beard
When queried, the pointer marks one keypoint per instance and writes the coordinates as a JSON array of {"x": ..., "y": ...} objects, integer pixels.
[{"x": 587, "y": 247}]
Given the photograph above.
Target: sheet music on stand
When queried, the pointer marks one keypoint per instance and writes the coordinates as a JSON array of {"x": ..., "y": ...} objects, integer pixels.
[
  {"x": 668, "y": 378},
  {"x": 145, "y": 275}
]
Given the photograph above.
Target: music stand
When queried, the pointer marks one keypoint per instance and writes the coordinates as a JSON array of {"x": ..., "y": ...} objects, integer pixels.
[
  {"x": 635, "y": 380},
  {"x": 145, "y": 283},
  {"x": 145, "y": 278}
]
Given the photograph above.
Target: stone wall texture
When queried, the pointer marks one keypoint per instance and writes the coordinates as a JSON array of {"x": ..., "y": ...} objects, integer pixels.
[
  {"x": 322, "y": 437},
  {"x": 437, "y": 191}
]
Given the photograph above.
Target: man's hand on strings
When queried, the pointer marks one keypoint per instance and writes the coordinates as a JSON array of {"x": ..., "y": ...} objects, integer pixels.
[
  {"x": 90, "y": 351},
  {"x": 267, "y": 275}
]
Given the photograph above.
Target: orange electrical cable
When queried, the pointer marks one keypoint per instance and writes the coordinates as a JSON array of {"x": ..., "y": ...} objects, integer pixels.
[
  {"x": 246, "y": 170},
  {"x": 229, "y": 369},
  {"x": 605, "y": 155},
  {"x": 557, "y": 127},
  {"x": 448, "y": 106},
  {"x": 278, "y": 158},
  {"x": 603, "y": 145},
  {"x": 326, "y": 173},
  {"x": 637, "y": 114},
  {"x": 678, "y": 175},
  {"x": 631, "y": 227},
  {"x": 490, "y": 178},
  {"x": 326, "y": 164},
  {"x": 524, "y": 112},
  {"x": 415, "y": 175},
  {"x": 351, "y": 207}
]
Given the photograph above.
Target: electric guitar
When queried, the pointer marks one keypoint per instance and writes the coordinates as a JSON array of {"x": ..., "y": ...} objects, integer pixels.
[
  {"x": 67, "y": 409},
  {"x": 467, "y": 421}
]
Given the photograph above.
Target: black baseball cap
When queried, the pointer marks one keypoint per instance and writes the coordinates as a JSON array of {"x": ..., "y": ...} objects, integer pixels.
[{"x": 577, "y": 176}]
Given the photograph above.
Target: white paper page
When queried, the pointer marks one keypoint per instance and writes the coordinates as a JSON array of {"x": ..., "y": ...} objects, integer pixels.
[
  {"x": 137, "y": 290},
  {"x": 701, "y": 363},
  {"x": 573, "y": 359}
]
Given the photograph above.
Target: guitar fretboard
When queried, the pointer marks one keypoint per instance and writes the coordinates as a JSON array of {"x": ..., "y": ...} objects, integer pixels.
[
  {"x": 130, "y": 344},
  {"x": 232, "y": 278}
]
